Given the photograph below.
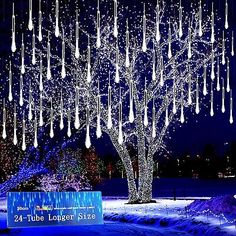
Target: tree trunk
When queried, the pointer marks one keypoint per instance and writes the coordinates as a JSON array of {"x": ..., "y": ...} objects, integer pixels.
[
  {"x": 125, "y": 158},
  {"x": 132, "y": 188},
  {"x": 142, "y": 162},
  {"x": 145, "y": 190}
]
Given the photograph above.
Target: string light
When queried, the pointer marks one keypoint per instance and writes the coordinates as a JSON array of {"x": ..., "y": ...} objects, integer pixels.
[
  {"x": 15, "y": 127},
  {"x": 98, "y": 28},
  {"x": 30, "y": 24},
  {"x": 144, "y": 46},
  {"x": 115, "y": 19},
  {"x": 180, "y": 20},
  {"x": 77, "y": 35},
  {"x": 40, "y": 36},
  {"x": 158, "y": 35},
  {"x": 13, "y": 37},
  {"x": 127, "y": 62},
  {"x": 57, "y": 32}
]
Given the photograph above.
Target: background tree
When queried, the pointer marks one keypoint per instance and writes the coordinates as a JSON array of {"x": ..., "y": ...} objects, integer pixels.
[
  {"x": 101, "y": 168},
  {"x": 120, "y": 168}
]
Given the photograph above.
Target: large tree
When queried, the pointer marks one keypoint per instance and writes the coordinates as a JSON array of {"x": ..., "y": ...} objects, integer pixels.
[{"x": 129, "y": 78}]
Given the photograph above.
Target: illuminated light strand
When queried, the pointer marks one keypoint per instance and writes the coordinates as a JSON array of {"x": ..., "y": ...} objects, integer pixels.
[
  {"x": 207, "y": 212},
  {"x": 174, "y": 98},
  {"x": 127, "y": 62},
  {"x": 218, "y": 74},
  {"x": 189, "y": 90},
  {"x": 158, "y": 34},
  {"x": 212, "y": 25},
  {"x": 57, "y": 32},
  {"x": 40, "y": 36},
  {"x": 33, "y": 48},
  {"x": 49, "y": 75},
  {"x": 212, "y": 100},
  {"x": 131, "y": 106},
  {"x": 77, "y": 53},
  {"x": 228, "y": 79},
  {"x": 223, "y": 96},
  {"x": 68, "y": 123},
  {"x": 162, "y": 72},
  {"x": 88, "y": 62},
  {"x": 35, "y": 130},
  {"x": 13, "y": 37},
  {"x": 200, "y": 32},
  {"x": 231, "y": 120},
  {"x": 77, "y": 121},
  {"x": 189, "y": 42},
  {"x": 180, "y": 20},
  {"x": 232, "y": 44},
  {"x": 223, "y": 48},
  {"x": 30, "y": 23},
  {"x": 115, "y": 20},
  {"x": 98, "y": 42},
  {"x": 197, "y": 108},
  {"x": 22, "y": 55},
  {"x": 169, "y": 42},
  {"x": 51, "y": 121},
  {"x": 87, "y": 139},
  {"x": 117, "y": 76},
  {"x": 204, "y": 80},
  {"x": 226, "y": 15},
  {"x": 23, "y": 134},
  {"x": 98, "y": 128},
  {"x": 21, "y": 91},
  {"x": 212, "y": 63},
  {"x": 41, "y": 110},
  {"x": 40, "y": 73},
  {"x": 63, "y": 69},
  {"x": 153, "y": 65},
  {"x": 144, "y": 45},
  {"x": 182, "y": 119},
  {"x": 10, "y": 97},
  {"x": 30, "y": 116}
]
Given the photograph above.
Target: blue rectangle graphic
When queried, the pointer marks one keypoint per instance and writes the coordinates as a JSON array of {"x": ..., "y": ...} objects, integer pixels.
[{"x": 26, "y": 209}]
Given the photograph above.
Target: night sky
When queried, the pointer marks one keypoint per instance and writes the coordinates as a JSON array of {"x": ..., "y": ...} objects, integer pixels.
[{"x": 200, "y": 129}]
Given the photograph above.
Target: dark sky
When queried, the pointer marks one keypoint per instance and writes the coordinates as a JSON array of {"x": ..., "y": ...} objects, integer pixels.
[{"x": 200, "y": 129}]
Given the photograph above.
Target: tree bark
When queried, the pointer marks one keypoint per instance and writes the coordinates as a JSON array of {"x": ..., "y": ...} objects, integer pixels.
[
  {"x": 142, "y": 162},
  {"x": 125, "y": 158},
  {"x": 145, "y": 190}
]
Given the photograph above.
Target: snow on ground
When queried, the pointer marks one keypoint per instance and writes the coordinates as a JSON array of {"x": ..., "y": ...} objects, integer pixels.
[
  {"x": 168, "y": 213},
  {"x": 165, "y": 217},
  {"x": 217, "y": 205}
]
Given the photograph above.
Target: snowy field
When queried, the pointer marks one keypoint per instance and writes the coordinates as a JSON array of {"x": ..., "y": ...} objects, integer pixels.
[
  {"x": 165, "y": 217},
  {"x": 177, "y": 215}
]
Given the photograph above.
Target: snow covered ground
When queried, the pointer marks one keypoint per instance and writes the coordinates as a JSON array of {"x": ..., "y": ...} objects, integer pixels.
[
  {"x": 170, "y": 214},
  {"x": 165, "y": 217}
]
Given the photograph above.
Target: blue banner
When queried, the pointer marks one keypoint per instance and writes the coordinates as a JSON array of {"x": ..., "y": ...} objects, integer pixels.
[{"x": 26, "y": 209}]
